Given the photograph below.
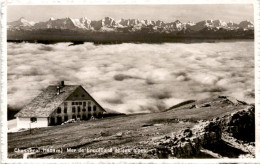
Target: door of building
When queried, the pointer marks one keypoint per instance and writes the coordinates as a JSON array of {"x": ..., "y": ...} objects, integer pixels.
[
  {"x": 52, "y": 122},
  {"x": 59, "y": 120}
]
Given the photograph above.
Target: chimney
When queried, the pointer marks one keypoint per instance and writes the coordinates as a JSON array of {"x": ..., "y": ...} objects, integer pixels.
[
  {"x": 62, "y": 83},
  {"x": 58, "y": 90}
]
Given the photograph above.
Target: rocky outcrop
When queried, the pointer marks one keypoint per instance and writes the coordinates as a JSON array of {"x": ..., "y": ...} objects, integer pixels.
[
  {"x": 235, "y": 129},
  {"x": 188, "y": 142},
  {"x": 241, "y": 124}
]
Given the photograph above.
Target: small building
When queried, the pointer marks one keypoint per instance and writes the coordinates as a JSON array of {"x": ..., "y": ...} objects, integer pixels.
[{"x": 57, "y": 104}]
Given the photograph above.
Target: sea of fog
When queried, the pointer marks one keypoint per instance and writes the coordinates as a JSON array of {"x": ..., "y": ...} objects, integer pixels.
[{"x": 133, "y": 78}]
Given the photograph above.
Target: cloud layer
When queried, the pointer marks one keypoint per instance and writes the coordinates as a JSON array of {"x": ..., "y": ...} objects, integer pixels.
[{"x": 133, "y": 78}]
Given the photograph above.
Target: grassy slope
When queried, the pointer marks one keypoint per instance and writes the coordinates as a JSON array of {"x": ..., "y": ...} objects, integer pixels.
[{"x": 136, "y": 130}]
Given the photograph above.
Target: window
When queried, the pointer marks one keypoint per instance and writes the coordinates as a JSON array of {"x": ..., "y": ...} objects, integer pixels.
[
  {"x": 72, "y": 103},
  {"x": 73, "y": 110},
  {"x": 33, "y": 119},
  {"x": 65, "y": 109},
  {"x": 94, "y": 108},
  {"x": 89, "y": 108},
  {"x": 84, "y": 109},
  {"x": 78, "y": 108},
  {"x": 65, "y": 118},
  {"x": 82, "y": 95},
  {"x": 58, "y": 110},
  {"x": 80, "y": 103},
  {"x": 76, "y": 103},
  {"x": 84, "y": 103}
]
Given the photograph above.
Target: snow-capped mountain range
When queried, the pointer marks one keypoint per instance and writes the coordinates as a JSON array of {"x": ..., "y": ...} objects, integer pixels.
[{"x": 109, "y": 24}]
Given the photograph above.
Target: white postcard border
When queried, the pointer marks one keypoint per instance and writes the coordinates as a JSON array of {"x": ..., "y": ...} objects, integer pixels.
[{"x": 122, "y": 2}]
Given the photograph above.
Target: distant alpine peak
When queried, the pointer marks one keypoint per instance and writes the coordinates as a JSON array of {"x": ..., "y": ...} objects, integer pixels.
[
  {"x": 177, "y": 21},
  {"x": 23, "y": 20},
  {"x": 190, "y": 23},
  {"x": 84, "y": 18},
  {"x": 109, "y": 18},
  {"x": 218, "y": 20},
  {"x": 52, "y": 19},
  {"x": 110, "y": 24},
  {"x": 21, "y": 23},
  {"x": 68, "y": 18},
  {"x": 209, "y": 21},
  {"x": 246, "y": 24}
]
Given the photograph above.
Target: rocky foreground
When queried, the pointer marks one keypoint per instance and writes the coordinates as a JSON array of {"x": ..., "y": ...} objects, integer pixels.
[
  {"x": 231, "y": 132},
  {"x": 218, "y": 127}
]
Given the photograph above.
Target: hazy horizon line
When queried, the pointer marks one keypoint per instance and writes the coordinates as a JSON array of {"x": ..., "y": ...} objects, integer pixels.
[{"x": 128, "y": 19}]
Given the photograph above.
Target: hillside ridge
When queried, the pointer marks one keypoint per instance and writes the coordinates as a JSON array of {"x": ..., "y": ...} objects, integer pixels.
[{"x": 192, "y": 130}]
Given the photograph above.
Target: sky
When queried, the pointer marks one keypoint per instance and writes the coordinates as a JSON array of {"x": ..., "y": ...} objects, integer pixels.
[{"x": 167, "y": 13}]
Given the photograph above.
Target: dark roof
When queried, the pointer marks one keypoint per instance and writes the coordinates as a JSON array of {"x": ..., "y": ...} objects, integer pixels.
[{"x": 46, "y": 102}]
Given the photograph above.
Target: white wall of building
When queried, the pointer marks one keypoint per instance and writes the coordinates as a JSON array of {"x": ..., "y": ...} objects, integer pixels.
[{"x": 25, "y": 122}]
